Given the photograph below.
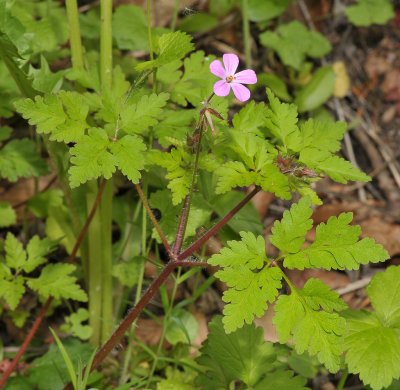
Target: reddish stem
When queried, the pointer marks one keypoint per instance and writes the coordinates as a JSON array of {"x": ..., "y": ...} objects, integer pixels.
[
  {"x": 155, "y": 285},
  {"x": 11, "y": 368},
  {"x": 183, "y": 218},
  {"x": 214, "y": 230},
  {"x": 154, "y": 220},
  {"x": 26, "y": 343}
]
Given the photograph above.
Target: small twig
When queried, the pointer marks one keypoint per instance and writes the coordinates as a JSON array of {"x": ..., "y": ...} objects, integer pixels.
[
  {"x": 357, "y": 285},
  {"x": 45, "y": 188},
  {"x": 154, "y": 220},
  {"x": 349, "y": 147},
  {"x": 42, "y": 313}
]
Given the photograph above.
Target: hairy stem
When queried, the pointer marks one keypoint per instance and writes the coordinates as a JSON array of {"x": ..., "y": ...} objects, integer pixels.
[
  {"x": 180, "y": 235},
  {"x": 155, "y": 285},
  {"x": 215, "y": 229},
  {"x": 154, "y": 220},
  {"x": 11, "y": 368}
]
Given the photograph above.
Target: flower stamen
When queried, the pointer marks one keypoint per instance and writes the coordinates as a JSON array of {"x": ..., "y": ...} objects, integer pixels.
[{"x": 229, "y": 79}]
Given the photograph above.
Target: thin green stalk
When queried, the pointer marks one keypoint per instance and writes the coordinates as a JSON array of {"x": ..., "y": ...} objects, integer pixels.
[
  {"x": 106, "y": 246},
  {"x": 343, "y": 379},
  {"x": 74, "y": 34},
  {"x": 105, "y": 239},
  {"x": 175, "y": 14},
  {"x": 150, "y": 38},
  {"x": 106, "y": 44},
  {"x": 246, "y": 32},
  {"x": 95, "y": 267}
]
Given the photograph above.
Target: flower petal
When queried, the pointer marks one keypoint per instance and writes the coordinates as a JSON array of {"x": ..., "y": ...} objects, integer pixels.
[
  {"x": 222, "y": 88},
  {"x": 217, "y": 69},
  {"x": 247, "y": 76},
  {"x": 241, "y": 92},
  {"x": 231, "y": 62}
]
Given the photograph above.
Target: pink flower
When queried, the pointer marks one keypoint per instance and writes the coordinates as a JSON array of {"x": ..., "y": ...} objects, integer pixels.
[{"x": 230, "y": 79}]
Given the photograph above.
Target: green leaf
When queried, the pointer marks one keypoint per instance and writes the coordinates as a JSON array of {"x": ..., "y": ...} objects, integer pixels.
[
  {"x": 375, "y": 336},
  {"x": 337, "y": 246},
  {"x": 174, "y": 125},
  {"x": 299, "y": 316},
  {"x": 368, "y": 12},
  {"x": 242, "y": 355},
  {"x": 137, "y": 118},
  {"x": 74, "y": 324},
  {"x": 172, "y": 46},
  {"x": 12, "y": 291},
  {"x": 44, "y": 80},
  {"x": 127, "y": 272},
  {"x": 247, "y": 219},
  {"x": 198, "y": 23},
  {"x": 276, "y": 84},
  {"x": 20, "y": 158},
  {"x": 91, "y": 158},
  {"x": 8, "y": 216},
  {"x": 55, "y": 281},
  {"x": 63, "y": 116},
  {"x": 15, "y": 253},
  {"x": 37, "y": 251},
  {"x": 251, "y": 281},
  {"x": 383, "y": 294},
  {"x": 293, "y": 43},
  {"x": 337, "y": 168},
  {"x": 318, "y": 90},
  {"x": 41, "y": 203},
  {"x": 182, "y": 327},
  {"x": 282, "y": 120},
  {"x": 129, "y": 157},
  {"x": 250, "y": 118},
  {"x": 234, "y": 174},
  {"x": 5, "y": 133},
  {"x": 372, "y": 349},
  {"x": 9, "y": 53},
  {"x": 282, "y": 380},
  {"x": 177, "y": 380},
  {"x": 194, "y": 85},
  {"x": 178, "y": 163},
  {"x": 263, "y": 10},
  {"x": 289, "y": 234},
  {"x": 130, "y": 28},
  {"x": 49, "y": 372},
  {"x": 322, "y": 136}
]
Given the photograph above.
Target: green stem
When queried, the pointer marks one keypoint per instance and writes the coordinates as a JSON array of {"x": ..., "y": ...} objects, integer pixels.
[
  {"x": 175, "y": 14},
  {"x": 106, "y": 245},
  {"x": 106, "y": 44},
  {"x": 95, "y": 267},
  {"x": 105, "y": 239},
  {"x": 343, "y": 379},
  {"x": 246, "y": 33},
  {"x": 150, "y": 38},
  {"x": 74, "y": 34}
]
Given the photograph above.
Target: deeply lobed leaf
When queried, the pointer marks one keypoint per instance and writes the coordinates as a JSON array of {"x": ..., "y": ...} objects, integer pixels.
[{"x": 319, "y": 332}]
